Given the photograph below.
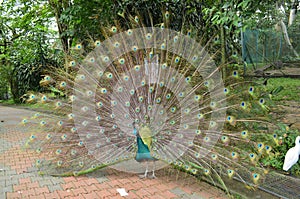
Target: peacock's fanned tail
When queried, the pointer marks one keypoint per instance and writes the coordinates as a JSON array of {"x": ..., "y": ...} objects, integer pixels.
[{"x": 165, "y": 80}]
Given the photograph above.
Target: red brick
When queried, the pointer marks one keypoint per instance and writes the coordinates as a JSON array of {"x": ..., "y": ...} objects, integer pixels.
[
  {"x": 24, "y": 180},
  {"x": 33, "y": 185},
  {"x": 25, "y": 165},
  {"x": 196, "y": 187},
  {"x": 156, "y": 196},
  {"x": 142, "y": 193},
  {"x": 131, "y": 195},
  {"x": 113, "y": 191},
  {"x": 205, "y": 186},
  {"x": 91, "y": 195},
  {"x": 135, "y": 179},
  {"x": 113, "y": 177},
  {"x": 80, "y": 183},
  {"x": 188, "y": 190},
  {"x": 169, "y": 195},
  {"x": 79, "y": 191},
  {"x": 103, "y": 193},
  {"x": 75, "y": 197},
  {"x": 28, "y": 193},
  {"x": 125, "y": 181},
  {"x": 65, "y": 193},
  {"x": 91, "y": 188},
  {"x": 171, "y": 185},
  {"x": 130, "y": 187},
  {"x": 10, "y": 195},
  {"x": 116, "y": 197},
  {"x": 37, "y": 197},
  {"x": 69, "y": 185},
  {"x": 103, "y": 186},
  {"x": 52, "y": 195},
  {"x": 70, "y": 179},
  {"x": 20, "y": 187},
  {"x": 136, "y": 185},
  {"x": 114, "y": 183},
  {"x": 151, "y": 182},
  {"x": 41, "y": 190},
  {"x": 151, "y": 190},
  {"x": 91, "y": 181},
  {"x": 162, "y": 187},
  {"x": 16, "y": 166},
  {"x": 217, "y": 192},
  {"x": 118, "y": 175}
]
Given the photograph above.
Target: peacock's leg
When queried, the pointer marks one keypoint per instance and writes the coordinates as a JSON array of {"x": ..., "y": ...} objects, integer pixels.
[
  {"x": 145, "y": 175},
  {"x": 153, "y": 171}
]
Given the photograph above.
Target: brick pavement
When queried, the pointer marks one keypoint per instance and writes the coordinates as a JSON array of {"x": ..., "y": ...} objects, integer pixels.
[{"x": 19, "y": 178}]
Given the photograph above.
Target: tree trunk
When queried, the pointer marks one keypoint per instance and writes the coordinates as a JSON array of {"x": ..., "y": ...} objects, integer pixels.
[
  {"x": 286, "y": 37},
  {"x": 292, "y": 16},
  {"x": 293, "y": 12},
  {"x": 58, "y": 8},
  {"x": 223, "y": 51},
  {"x": 223, "y": 48}
]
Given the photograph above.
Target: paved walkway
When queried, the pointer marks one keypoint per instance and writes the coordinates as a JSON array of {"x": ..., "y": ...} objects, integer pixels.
[{"x": 19, "y": 178}]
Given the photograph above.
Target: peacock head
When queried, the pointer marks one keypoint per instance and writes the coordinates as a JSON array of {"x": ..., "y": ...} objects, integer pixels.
[{"x": 134, "y": 125}]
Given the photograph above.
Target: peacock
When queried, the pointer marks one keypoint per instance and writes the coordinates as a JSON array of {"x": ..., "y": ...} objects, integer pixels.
[
  {"x": 144, "y": 144},
  {"x": 151, "y": 95}
]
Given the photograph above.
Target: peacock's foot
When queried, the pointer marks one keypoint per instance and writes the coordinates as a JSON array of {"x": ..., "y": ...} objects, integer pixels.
[
  {"x": 142, "y": 176},
  {"x": 145, "y": 174}
]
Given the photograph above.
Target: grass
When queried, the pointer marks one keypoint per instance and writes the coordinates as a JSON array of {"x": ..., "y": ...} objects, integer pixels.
[
  {"x": 46, "y": 107},
  {"x": 7, "y": 102},
  {"x": 290, "y": 92},
  {"x": 35, "y": 106}
]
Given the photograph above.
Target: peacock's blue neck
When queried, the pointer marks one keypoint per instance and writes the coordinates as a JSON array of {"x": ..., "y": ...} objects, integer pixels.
[
  {"x": 143, "y": 152},
  {"x": 142, "y": 148}
]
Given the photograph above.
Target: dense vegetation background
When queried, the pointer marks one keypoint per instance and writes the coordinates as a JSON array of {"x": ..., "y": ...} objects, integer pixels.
[{"x": 35, "y": 35}]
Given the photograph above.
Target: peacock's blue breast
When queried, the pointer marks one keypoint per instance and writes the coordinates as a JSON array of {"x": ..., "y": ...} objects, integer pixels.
[{"x": 143, "y": 152}]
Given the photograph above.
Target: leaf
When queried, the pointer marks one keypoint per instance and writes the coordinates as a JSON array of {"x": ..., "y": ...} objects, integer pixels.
[{"x": 277, "y": 90}]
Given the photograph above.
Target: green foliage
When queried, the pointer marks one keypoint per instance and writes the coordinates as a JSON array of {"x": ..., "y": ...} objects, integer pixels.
[
  {"x": 28, "y": 63},
  {"x": 290, "y": 89},
  {"x": 284, "y": 137},
  {"x": 239, "y": 14},
  {"x": 80, "y": 21},
  {"x": 7, "y": 102},
  {"x": 24, "y": 45},
  {"x": 84, "y": 19},
  {"x": 27, "y": 34},
  {"x": 4, "y": 84}
]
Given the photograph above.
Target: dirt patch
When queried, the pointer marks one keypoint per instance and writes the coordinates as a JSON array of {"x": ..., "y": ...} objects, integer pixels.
[
  {"x": 288, "y": 112},
  {"x": 284, "y": 72}
]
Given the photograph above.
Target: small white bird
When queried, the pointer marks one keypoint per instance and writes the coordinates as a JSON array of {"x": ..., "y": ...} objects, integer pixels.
[{"x": 292, "y": 155}]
